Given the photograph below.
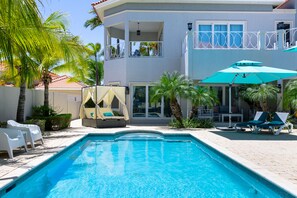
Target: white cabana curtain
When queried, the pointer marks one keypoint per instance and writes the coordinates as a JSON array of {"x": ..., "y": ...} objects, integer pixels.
[
  {"x": 119, "y": 92},
  {"x": 86, "y": 95},
  {"x": 106, "y": 94}
]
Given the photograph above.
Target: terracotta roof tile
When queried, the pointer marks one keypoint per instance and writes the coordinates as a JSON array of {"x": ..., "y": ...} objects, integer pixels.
[
  {"x": 61, "y": 82},
  {"x": 96, "y": 3}
]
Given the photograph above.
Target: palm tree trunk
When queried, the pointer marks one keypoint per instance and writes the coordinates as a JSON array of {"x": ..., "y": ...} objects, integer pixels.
[
  {"x": 193, "y": 112},
  {"x": 97, "y": 72},
  {"x": 46, "y": 98},
  {"x": 176, "y": 111},
  {"x": 46, "y": 79},
  {"x": 21, "y": 103}
]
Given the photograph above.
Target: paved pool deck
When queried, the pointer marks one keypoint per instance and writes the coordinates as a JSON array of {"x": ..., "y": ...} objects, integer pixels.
[{"x": 274, "y": 157}]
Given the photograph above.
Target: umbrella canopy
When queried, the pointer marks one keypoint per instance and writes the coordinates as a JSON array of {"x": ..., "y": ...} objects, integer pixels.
[
  {"x": 247, "y": 72},
  {"x": 291, "y": 49}
]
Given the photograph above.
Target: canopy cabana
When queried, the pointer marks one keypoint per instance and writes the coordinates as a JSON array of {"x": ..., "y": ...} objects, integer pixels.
[{"x": 103, "y": 116}]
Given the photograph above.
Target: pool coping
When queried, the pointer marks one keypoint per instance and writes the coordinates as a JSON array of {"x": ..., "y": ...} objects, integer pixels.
[{"x": 262, "y": 172}]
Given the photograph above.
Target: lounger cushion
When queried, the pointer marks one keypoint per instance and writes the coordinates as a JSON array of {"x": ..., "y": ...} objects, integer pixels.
[
  {"x": 255, "y": 122},
  {"x": 108, "y": 114},
  {"x": 276, "y": 123}
]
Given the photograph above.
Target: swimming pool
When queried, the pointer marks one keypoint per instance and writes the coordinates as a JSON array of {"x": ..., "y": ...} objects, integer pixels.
[{"x": 141, "y": 165}]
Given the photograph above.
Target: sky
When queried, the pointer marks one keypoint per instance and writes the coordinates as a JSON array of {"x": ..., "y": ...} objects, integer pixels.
[{"x": 77, "y": 13}]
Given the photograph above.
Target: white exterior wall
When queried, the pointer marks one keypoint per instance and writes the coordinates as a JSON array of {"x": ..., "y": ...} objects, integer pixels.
[
  {"x": 63, "y": 103},
  {"x": 148, "y": 69}
]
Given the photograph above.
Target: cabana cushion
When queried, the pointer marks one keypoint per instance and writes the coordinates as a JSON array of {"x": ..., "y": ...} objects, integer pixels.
[{"x": 108, "y": 114}]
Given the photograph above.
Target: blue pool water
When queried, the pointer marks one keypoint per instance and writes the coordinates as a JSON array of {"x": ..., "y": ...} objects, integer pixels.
[{"x": 141, "y": 165}]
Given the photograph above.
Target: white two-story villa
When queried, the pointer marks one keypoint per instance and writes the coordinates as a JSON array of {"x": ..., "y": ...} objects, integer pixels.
[{"x": 144, "y": 38}]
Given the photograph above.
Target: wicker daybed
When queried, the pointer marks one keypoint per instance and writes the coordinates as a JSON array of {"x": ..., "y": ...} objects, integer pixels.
[{"x": 101, "y": 117}]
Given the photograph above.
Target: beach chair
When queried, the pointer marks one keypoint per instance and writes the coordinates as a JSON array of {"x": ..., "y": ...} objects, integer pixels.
[
  {"x": 11, "y": 139},
  {"x": 278, "y": 122},
  {"x": 33, "y": 131},
  {"x": 260, "y": 118}
]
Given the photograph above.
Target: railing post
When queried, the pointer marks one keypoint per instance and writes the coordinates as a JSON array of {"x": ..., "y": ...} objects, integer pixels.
[
  {"x": 127, "y": 44},
  {"x": 262, "y": 41},
  {"x": 281, "y": 39}
]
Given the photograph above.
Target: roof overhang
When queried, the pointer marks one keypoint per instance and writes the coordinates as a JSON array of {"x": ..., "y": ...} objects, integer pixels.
[{"x": 103, "y": 5}]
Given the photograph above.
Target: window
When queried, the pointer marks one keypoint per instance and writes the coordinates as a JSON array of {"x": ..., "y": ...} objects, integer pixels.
[
  {"x": 144, "y": 106},
  {"x": 139, "y": 101},
  {"x": 220, "y": 35},
  {"x": 288, "y": 40}
]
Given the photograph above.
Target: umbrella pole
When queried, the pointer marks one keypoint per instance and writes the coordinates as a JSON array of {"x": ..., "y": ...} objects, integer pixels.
[{"x": 230, "y": 110}]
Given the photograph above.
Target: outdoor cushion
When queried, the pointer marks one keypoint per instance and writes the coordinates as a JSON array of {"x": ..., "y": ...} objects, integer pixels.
[
  {"x": 108, "y": 114},
  {"x": 276, "y": 123},
  {"x": 255, "y": 122}
]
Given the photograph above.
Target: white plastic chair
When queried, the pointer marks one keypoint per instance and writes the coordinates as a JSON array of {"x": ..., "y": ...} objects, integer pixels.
[
  {"x": 11, "y": 139},
  {"x": 33, "y": 131}
]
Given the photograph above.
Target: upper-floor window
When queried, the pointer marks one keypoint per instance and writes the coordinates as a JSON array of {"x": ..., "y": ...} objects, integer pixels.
[{"x": 220, "y": 35}]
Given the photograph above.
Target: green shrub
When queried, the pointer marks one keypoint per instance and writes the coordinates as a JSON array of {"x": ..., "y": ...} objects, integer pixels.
[
  {"x": 40, "y": 111},
  {"x": 40, "y": 123},
  {"x": 193, "y": 123},
  {"x": 3, "y": 124},
  {"x": 57, "y": 122}
]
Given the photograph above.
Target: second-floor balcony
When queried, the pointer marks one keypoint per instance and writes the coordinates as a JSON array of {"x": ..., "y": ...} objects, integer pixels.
[
  {"x": 137, "y": 49},
  {"x": 145, "y": 49},
  {"x": 241, "y": 40}
]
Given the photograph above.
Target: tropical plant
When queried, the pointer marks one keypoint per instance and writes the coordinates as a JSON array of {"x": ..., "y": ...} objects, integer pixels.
[
  {"x": 202, "y": 96},
  {"x": 261, "y": 93},
  {"x": 94, "y": 21},
  {"x": 95, "y": 51},
  {"x": 193, "y": 123},
  {"x": 171, "y": 86},
  {"x": 148, "y": 48},
  {"x": 21, "y": 34},
  {"x": 290, "y": 95},
  {"x": 66, "y": 56}
]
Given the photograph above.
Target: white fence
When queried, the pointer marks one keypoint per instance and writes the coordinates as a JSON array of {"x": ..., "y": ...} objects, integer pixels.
[{"x": 61, "y": 102}]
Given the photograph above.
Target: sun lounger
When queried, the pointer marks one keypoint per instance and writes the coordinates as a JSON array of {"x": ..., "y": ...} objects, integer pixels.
[
  {"x": 259, "y": 118},
  {"x": 33, "y": 131},
  {"x": 277, "y": 124},
  {"x": 11, "y": 139}
]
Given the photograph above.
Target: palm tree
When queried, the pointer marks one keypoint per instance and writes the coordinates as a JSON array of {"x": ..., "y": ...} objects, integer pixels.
[
  {"x": 262, "y": 93},
  {"x": 202, "y": 96},
  {"x": 93, "y": 22},
  {"x": 21, "y": 34},
  {"x": 68, "y": 50},
  {"x": 95, "y": 51},
  {"x": 170, "y": 87},
  {"x": 290, "y": 95}
]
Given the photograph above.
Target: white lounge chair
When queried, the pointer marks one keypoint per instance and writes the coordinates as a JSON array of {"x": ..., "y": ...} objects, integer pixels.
[
  {"x": 33, "y": 131},
  {"x": 11, "y": 139},
  {"x": 277, "y": 124},
  {"x": 260, "y": 118}
]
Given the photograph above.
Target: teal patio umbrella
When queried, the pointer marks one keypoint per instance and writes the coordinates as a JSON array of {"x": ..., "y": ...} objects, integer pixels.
[{"x": 247, "y": 72}]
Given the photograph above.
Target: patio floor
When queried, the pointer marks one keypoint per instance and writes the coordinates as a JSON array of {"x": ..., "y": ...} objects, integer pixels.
[{"x": 275, "y": 156}]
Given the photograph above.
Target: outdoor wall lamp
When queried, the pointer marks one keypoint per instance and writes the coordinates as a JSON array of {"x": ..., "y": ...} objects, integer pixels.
[{"x": 190, "y": 26}]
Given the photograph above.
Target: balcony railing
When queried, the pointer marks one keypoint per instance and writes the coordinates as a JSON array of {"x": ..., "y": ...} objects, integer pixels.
[
  {"x": 226, "y": 40},
  {"x": 290, "y": 37},
  {"x": 115, "y": 51},
  {"x": 271, "y": 40},
  {"x": 146, "y": 49}
]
